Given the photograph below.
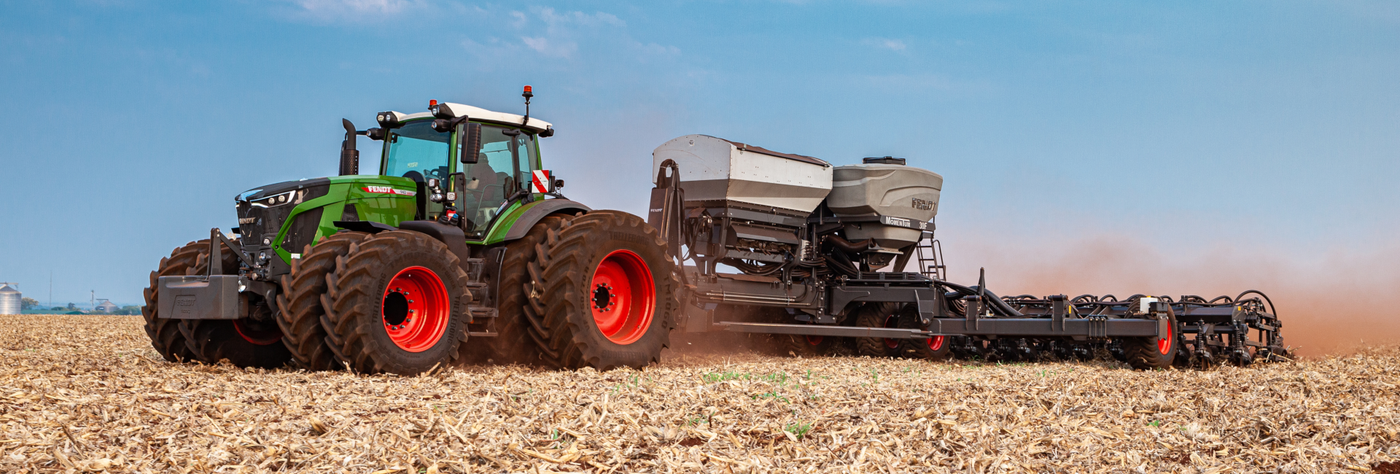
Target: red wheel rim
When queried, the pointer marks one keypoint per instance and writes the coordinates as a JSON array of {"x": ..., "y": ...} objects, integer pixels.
[
  {"x": 890, "y": 322},
  {"x": 1165, "y": 345},
  {"x": 622, "y": 297},
  {"x": 935, "y": 343},
  {"x": 814, "y": 340},
  {"x": 415, "y": 309},
  {"x": 257, "y": 334}
]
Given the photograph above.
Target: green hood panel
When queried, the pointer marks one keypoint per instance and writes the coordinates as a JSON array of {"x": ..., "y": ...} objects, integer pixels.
[{"x": 385, "y": 199}]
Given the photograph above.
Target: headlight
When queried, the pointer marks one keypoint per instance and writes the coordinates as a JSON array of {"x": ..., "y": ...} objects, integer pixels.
[{"x": 274, "y": 200}]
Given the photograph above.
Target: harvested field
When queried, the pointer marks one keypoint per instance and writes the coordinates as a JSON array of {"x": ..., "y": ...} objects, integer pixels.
[{"x": 87, "y": 393}]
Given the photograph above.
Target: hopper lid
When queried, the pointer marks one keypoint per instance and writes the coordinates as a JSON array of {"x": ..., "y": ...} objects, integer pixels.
[
  {"x": 884, "y": 160},
  {"x": 765, "y": 151}
]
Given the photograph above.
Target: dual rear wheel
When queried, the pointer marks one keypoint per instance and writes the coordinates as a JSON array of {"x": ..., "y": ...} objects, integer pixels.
[{"x": 602, "y": 292}]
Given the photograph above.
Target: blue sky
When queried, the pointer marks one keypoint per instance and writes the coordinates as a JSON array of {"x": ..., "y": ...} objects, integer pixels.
[{"x": 1273, "y": 126}]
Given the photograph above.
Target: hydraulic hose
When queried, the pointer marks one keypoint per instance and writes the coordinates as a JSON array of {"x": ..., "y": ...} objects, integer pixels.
[
  {"x": 848, "y": 246},
  {"x": 995, "y": 300}
]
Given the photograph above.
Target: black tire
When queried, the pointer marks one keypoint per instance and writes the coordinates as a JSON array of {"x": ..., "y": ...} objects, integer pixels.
[
  {"x": 253, "y": 341},
  {"x": 877, "y": 315},
  {"x": 512, "y": 344},
  {"x": 165, "y": 334},
  {"x": 626, "y": 250},
  {"x": 806, "y": 346},
  {"x": 370, "y": 319},
  {"x": 243, "y": 342},
  {"x": 1144, "y": 353},
  {"x": 933, "y": 348},
  {"x": 299, "y": 303}
]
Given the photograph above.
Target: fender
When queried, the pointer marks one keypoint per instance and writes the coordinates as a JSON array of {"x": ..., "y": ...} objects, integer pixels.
[
  {"x": 453, "y": 236},
  {"x": 532, "y": 216}
]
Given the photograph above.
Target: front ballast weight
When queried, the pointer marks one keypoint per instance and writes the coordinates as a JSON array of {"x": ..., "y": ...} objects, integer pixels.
[
  {"x": 818, "y": 245},
  {"x": 209, "y": 295}
]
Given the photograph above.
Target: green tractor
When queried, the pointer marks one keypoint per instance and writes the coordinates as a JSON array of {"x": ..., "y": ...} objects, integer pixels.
[{"x": 460, "y": 249}]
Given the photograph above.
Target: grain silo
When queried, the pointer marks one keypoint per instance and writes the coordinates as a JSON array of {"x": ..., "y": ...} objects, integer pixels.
[{"x": 9, "y": 298}]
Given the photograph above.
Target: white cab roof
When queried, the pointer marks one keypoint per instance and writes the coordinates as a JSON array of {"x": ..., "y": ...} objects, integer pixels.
[{"x": 477, "y": 113}]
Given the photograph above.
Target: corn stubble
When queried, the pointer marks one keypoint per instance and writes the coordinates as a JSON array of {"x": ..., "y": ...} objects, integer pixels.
[{"x": 87, "y": 393}]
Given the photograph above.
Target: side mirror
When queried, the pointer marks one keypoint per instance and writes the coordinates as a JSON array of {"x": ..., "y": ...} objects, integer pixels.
[{"x": 470, "y": 140}]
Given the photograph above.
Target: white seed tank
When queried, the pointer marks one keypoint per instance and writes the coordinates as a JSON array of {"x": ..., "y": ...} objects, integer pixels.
[
  {"x": 10, "y": 299},
  {"x": 885, "y": 188},
  {"x": 715, "y": 172}
]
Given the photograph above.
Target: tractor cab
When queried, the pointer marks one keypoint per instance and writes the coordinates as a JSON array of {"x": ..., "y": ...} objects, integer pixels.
[{"x": 483, "y": 159}]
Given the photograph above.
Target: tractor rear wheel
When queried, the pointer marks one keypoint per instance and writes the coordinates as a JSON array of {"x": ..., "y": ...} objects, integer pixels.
[
  {"x": 251, "y": 341},
  {"x": 299, "y": 304},
  {"x": 607, "y": 293},
  {"x": 397, "y": 302},
  {"x": 165, "y": 334},
  {"x": 512, "y": 344},
  {"x": 877, "y": 315}
]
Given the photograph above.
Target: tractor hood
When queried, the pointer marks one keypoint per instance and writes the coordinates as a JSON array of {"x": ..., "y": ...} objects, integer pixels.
[
  {"x": 263, "y": 193},
  {"x": 287, "y": 216}
]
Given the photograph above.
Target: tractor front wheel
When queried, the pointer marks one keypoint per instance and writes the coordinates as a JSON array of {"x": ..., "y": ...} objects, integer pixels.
[
  {"x": 243, "y": 342},
  {"x": 251, "y": 341},
  {"x": 397, "y": 302},
  {"x": 299, "y": 302},
  {"x": 165, "y": 334}
]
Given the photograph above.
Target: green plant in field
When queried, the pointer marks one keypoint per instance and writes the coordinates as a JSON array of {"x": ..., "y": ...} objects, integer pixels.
[
  {"x": 713, "y": 377},
  {"x": 771, "y": 394},
  {"x": 798, "y": 428}
]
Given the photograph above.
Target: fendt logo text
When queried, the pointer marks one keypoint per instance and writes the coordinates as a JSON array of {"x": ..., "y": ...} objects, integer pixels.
[{"x": 388, "y": 190}]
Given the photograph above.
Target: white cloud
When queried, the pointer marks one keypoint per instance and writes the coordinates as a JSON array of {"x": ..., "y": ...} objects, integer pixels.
[
  {"x": 885, "y": 43},
  {"x": 350, "y": 10},
  {"x": 562, "y": 35},
  {"x": 542, "y": 45}
]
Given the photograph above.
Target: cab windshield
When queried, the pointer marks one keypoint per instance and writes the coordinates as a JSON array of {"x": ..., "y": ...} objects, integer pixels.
[{"x": 417, "y": 152}]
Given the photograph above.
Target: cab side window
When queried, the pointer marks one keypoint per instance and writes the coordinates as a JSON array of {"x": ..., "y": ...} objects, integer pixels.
[{"x": 503, "y": 166}]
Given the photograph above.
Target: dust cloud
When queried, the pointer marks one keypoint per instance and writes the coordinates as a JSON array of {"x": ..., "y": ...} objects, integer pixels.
[{"x": 1331, "y": 301}]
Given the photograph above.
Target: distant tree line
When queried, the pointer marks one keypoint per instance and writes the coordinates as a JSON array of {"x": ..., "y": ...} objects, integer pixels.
[{"x": 27, "y": 304}]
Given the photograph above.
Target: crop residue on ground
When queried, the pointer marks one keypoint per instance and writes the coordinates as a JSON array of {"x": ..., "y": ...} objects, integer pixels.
[{"x": 87, "y": 393}]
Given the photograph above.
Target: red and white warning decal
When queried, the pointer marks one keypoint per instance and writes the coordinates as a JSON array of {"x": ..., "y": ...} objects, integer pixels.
[
  {"x": 541, "y": 181},
  {"x": 388, "y": 190}
]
